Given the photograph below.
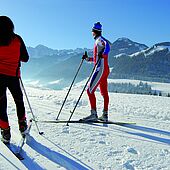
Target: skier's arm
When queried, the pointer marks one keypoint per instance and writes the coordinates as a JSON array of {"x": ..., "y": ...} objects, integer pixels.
[
  {"x": 23, "y": 53},
  {"x": 100, "y": 48},
  {"x": 106, "y": 49},
  {"x": 24, "y": 57},
  {"x": 85, "y": 56},
  {"x": 103, "y": 48}
]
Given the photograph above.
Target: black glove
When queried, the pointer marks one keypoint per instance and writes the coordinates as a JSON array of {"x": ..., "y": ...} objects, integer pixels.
[{"x": 85, "y": 56}]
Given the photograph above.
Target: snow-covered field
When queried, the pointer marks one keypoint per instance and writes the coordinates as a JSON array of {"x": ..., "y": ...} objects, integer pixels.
[
  {"x": 164, "y": 87},
  {"x": 141, "y": 146}
]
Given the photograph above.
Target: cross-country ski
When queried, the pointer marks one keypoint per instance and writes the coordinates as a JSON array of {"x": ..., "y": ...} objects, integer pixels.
[
  {"x": 85, "y": 122},
  {"x": 9, "y": 158}
]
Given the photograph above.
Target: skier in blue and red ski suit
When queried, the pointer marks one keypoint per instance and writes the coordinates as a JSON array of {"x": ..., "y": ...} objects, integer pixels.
[
  {"x": 12, "y": 52},
  {"x": 100, "y": 75}
]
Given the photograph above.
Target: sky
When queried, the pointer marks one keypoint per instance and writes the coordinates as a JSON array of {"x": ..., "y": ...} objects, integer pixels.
[{"x": 67, "y": 24}]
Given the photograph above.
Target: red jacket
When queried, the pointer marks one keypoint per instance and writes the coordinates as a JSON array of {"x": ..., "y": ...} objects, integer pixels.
[{"x": 11, "y": 56}]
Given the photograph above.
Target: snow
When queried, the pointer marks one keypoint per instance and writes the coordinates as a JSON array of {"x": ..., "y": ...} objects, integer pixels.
[
  {"x": 163, "y": 46},
  {"x": 8, "y": 160},
  {"x": 154, "y": 50},
  {"x": 164, "y": 87},
  {"x": 157, "y": 49},
  {"x": 140, "y": 47},
  {"x": 55, "y": 82},
  {"x": 119, "y": 55},
  {"x": 144, "y": 145}
]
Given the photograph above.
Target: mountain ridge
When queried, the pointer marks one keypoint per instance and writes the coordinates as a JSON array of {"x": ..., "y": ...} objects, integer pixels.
[{"x": 127, "y": 59}]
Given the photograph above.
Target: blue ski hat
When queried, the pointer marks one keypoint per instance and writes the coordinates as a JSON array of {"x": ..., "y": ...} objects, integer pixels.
[{"x": 97, "y": 27}]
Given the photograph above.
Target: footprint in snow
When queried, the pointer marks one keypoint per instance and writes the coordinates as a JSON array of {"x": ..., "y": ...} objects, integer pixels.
[
  {"x": 65, "y": 129},
  {"x": 102, "y": 134},
  {"x": 128, "y": 165},
  {"x": 102, "y": 142},
  {"x": 132, "y": 150}
]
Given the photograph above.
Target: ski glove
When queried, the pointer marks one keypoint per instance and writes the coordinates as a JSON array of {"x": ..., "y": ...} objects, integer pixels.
[{"x": 85, "y": 56}]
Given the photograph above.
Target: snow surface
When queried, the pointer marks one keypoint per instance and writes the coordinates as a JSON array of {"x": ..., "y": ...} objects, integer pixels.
[
  {"x": 141, "y": 146},
  {"x": 146, "y": 54},
  {"x": 164, "y": 87}
]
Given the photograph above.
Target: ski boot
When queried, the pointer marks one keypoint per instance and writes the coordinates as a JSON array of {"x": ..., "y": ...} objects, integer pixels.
[
  {"x": 92, "y": 117},
  {"x": 6, "y": 135},
  {"x": 23, "y": 127},
  {"x": 104, "y": 116}
]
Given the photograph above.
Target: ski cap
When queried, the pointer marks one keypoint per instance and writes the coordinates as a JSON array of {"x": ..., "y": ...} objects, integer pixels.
[{"x": 97, "y": 27}]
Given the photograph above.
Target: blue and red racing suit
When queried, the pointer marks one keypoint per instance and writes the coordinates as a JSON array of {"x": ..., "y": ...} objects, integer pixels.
[{"x": 101, "y": 72}]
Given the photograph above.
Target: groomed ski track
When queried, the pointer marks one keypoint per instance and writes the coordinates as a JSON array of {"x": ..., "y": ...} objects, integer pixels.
[
  {"x": 52, "y": 154},
  {"x": 78, "y": 145}
]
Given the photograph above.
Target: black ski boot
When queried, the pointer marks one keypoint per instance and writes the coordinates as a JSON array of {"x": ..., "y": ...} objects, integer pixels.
[
  {"x": 23, "y": 127},
  {"x": 6, "y": 135}
]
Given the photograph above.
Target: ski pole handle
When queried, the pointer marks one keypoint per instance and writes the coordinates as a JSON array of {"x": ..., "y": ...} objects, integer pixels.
[
  {"x": 85, "y": 53},
  {"x": 85, "y": 56}
]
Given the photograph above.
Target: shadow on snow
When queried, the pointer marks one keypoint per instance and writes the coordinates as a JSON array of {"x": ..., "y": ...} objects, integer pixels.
[
  {"x": 54, "y": 156},
  {"x": 141, "y": 128},
  {"x": 150, "y": 130}
]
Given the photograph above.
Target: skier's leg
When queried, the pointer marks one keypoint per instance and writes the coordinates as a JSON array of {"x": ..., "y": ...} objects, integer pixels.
[
  {"x": 3, "y": 103},
  {"x": 15, "y": 89},
  {"x": 92, "y": 99},
  {"x": 4, "y": 124},
  {"x": 104, "y": 92},
  {"x": 93, "y": 84},
  {"x": 3, "y": 110}
]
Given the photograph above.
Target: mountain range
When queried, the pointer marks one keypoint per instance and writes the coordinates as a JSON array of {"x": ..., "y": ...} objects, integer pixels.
[{"x": 127, "y": 59}]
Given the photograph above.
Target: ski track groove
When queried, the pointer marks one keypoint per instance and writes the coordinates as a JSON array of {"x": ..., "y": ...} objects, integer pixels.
[
  {"x": 132, "y": 128},
  {"x": 49, "y": 151},
  {"x": 138, "y": 132},
  {"x": 114, "y": 129}
]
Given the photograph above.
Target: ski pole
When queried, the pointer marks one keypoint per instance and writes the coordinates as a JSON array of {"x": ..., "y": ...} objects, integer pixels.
[
  {"x": 30, "y": 106},
  {"x": 71, "y": 86},
  {"x": 82, "y": 91}
]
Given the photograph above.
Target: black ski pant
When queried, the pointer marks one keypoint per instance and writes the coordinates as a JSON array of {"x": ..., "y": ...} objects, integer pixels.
[{"x": 13, "y": 84}]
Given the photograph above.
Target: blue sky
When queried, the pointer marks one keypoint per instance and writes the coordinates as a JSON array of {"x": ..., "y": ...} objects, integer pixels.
[{"x": 65, "y": 24}]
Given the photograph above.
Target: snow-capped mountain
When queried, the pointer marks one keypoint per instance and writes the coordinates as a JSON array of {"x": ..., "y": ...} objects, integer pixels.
[
  {"x": 157, "y": 48},
  {"x": 43, "y": 58},
  {"x": 152, "y": 63},
  {"x": 126, "y": 46},
  {"x": 42, "y": 51},
  {"x": 127, "y": 59}
]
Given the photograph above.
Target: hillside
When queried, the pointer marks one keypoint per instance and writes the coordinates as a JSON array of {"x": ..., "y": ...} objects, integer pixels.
[
  {"x": 127, "y": 60},
  {"x": 150, "y": 64}
]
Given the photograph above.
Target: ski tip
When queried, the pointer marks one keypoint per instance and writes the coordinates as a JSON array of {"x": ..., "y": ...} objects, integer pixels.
[{"x": 41, "y": 133}]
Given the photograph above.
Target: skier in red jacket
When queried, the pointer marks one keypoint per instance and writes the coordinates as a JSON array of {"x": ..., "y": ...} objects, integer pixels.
[
  {"x": 12, "y": 52},
  {"x": 100, "y": 75}
]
